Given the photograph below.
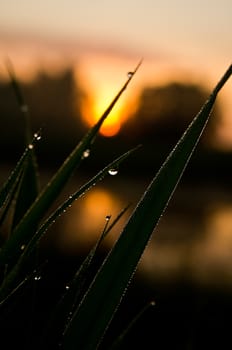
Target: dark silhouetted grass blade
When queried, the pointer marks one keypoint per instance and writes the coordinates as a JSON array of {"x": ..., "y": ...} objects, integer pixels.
[
  {"x": 12, "y": 278},
  {"x": 98, "y": 306},
  {"x": 28, "y": 186},
  {"x": 26, "y": 227}
]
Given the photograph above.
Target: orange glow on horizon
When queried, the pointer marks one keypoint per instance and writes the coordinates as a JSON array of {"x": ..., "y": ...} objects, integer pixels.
[
  {"x": 88, "y": 217},
  {"x": 98, "y": 100},
  {"x": 102, "y": 75},
  {"x": 92, "y": 113}
]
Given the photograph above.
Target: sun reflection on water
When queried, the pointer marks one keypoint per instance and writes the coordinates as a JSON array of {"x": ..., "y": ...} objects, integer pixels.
[
  {"x": 87, "y": 219},
  {"x": 181, "y": 249}
]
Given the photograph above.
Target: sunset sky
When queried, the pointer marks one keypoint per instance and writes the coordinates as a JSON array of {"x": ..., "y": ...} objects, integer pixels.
[{"x": 179, "y": 39}]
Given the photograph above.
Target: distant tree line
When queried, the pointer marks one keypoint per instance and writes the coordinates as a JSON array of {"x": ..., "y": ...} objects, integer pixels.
[{"x": 162, "y": 115}]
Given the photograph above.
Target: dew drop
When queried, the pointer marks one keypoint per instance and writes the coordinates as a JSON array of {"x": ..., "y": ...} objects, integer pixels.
[
  {"x": 86, "y": 153},
  {"x": 37, "y": 278},
  {"x": 30, "y": 146},
  {"x": 130, "y": 75},
  {"x": 67, "y": 287},
  {"x": 108, "y": 217},
  {"x": 37, "y": 136},
  {"x": 113, "y": 171},
  {"x": 23, "y": 246}
]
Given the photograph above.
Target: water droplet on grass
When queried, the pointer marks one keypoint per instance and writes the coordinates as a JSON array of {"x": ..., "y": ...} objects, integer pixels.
[
  {"x": 37, "y": 278},
  {"x": 67, "y": 287},
  {"x": 130, "y": 74},
  {"x": 86, "y": 153},
  {"x": 37, "y": 136},
  {"x": 108, "y": 217},
  {"x": 23, "y": 246},
  {"x": 113, "y": 171},
  {"x": 30, "y": 146}
]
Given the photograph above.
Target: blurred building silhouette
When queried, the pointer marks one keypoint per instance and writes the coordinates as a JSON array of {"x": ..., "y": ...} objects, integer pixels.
[
  {"x": 164, "y": 113},
  {"x": 55, "y": 101}
]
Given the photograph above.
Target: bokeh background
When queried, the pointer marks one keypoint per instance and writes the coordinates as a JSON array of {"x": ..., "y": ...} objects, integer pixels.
[{"x": 71, "y": 58}]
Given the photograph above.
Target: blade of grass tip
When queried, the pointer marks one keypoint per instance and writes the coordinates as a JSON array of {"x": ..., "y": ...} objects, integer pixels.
[
  {"x": 78, "y": 284},
  {"x": 61, "y": 315},
  {"x": 98, "y": 306},
  {"x": 23, "y": 231},
  {"x": 24, "y": 109},
  {"x": 118, "y": 343},
  {"x": 115, "y": 221},
  {"x": 11, "y": 278}
]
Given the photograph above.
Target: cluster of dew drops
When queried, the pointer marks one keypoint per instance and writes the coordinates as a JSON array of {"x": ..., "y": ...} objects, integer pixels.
[{"x": 37, "y": 137}]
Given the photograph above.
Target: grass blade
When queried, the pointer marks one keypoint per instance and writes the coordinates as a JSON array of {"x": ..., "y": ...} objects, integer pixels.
[
  {"x": 24, "y": 109},
  {"x": 75, "y": 289},
  {"x": 98, "y": 306},
  {"x": 7, "y": 186},
  {"x": 118, "y": 343},
  {"x": 6, "y": 210},
  {"x": 28, "y": 189},
  {"x": 11, "y": 279},
  {"x": 24, "y": 230}
]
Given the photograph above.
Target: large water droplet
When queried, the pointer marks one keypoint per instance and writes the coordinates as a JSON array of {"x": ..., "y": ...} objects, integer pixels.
[
  {"x": 30, "y": 146},
  {"x": 113, "y": 171}
]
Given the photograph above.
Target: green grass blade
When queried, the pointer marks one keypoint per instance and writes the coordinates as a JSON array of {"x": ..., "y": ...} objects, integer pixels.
[
  {"x": 12, "y": 278},
  {"x": 24, "y": 230},
  {"x": 98, "y": 306}
]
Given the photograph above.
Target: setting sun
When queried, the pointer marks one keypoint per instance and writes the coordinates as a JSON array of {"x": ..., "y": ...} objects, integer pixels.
[
  {"x": 102, "y": 92},
  {"x": 111, "y": 125},
  {"x": 103, "y": 80}
]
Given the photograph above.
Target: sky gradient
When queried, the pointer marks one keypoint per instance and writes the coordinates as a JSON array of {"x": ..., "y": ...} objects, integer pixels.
[{"x": 175, "y": 38}]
